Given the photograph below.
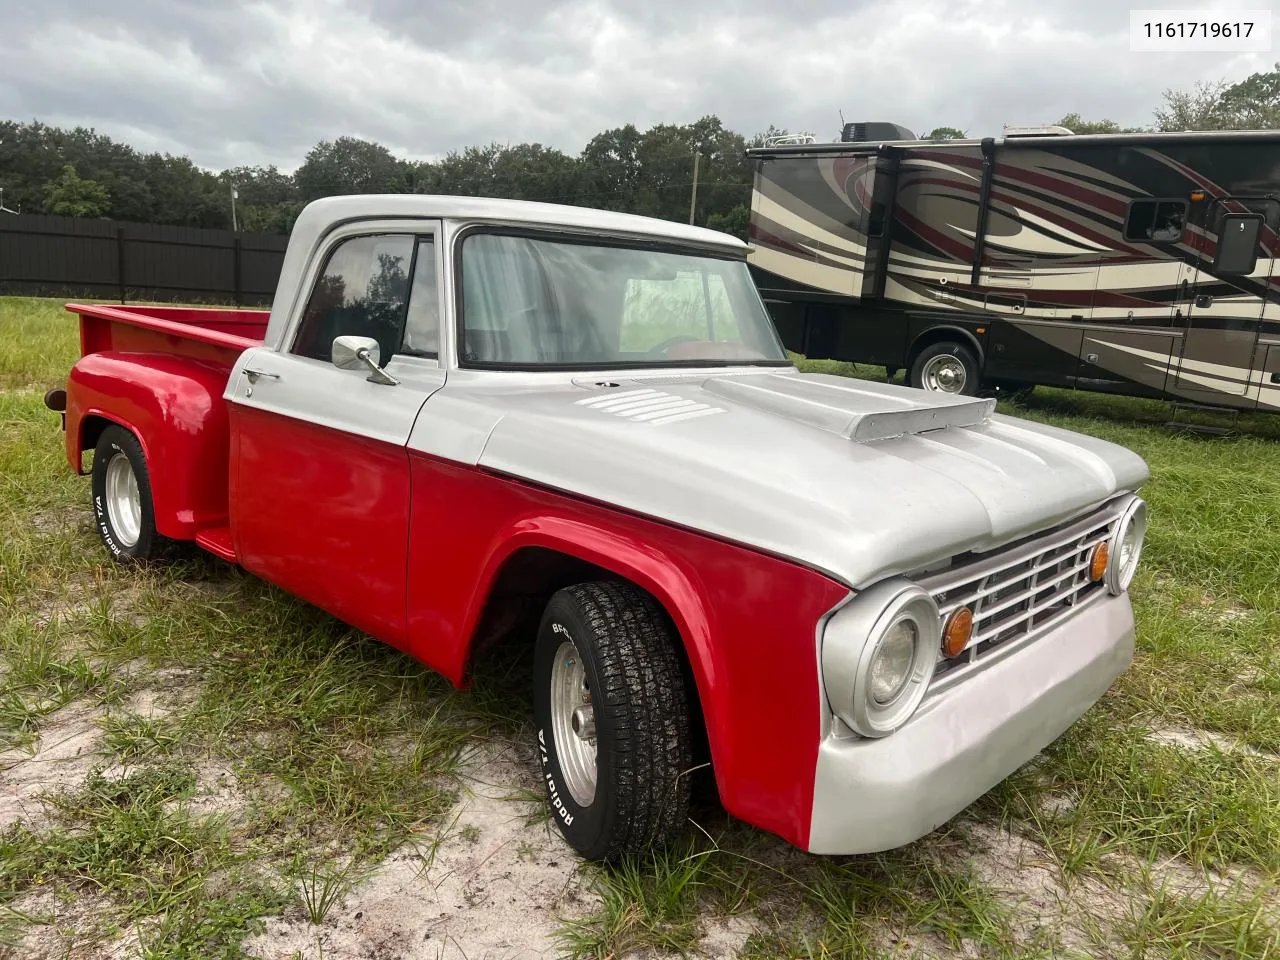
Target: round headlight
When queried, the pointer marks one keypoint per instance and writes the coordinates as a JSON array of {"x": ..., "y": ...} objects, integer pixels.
[
  {"x": 879, "y": 652},
  {"x": 1126, "y": 546},
  {"x": 892, "y": 661}
]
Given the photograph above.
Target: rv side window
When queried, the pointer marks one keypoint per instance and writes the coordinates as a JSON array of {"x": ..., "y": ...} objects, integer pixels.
[
  {"x": 1156, "y": 221},
  {"x": 1238, "y": 243}
]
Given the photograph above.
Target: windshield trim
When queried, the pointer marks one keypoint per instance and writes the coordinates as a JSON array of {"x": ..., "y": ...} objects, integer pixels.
[{"x": 587, "y": 238}]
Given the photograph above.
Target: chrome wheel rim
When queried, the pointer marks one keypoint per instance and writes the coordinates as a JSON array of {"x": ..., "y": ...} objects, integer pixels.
[
  {"x": 573, "y": 724},
  {"x": 124, "y": 503},
  {"x": 944, "y": 374}
]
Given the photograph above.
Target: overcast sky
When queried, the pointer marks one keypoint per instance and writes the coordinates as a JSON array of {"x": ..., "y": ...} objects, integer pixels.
[{"x": 232, "y": 82}]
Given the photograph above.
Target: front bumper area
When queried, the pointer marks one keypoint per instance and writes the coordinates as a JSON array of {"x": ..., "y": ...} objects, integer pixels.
[{"x": 875, "y": 794}]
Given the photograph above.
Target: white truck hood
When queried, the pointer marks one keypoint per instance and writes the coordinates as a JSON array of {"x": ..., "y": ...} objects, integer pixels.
[{"x": 857, "y": 479}]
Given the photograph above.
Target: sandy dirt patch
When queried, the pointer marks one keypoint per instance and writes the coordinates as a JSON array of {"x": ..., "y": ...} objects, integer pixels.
[
  {"x": 724, "y": 938},
  {"x": 69, "y": 744},
  {"x": 168, "y": 690},
  {"x": 61, "y": 520},
  {"x": 1027, "y": 878},
  {"x": 1190, "y": 739},
  {"x": 60, "y": 928},
  {"x": 217, "y": 792},
  {"x": 495, "y": 887}
]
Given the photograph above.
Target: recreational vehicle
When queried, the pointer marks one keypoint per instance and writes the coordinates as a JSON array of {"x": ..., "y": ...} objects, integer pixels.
[{"x": 1131, "y": 263}]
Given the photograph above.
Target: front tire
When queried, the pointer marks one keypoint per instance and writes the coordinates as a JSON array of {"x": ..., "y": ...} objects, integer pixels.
[
  {"x": 946, "y": 367},
  {"x": 614, "y": 737},
  {"x": 122, "y": 505}
]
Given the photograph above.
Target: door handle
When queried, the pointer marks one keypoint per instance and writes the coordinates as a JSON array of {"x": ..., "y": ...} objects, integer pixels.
[{"x": 253, "y": 375}]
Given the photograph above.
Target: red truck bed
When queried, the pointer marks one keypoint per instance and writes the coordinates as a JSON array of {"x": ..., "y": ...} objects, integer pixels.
[
  {"x": 160, "y": 373},
  {"x": 217, "y": 334}
]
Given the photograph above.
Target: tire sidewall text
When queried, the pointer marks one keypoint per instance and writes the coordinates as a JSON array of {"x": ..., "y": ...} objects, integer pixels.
[{"x": 583, "y": 826}]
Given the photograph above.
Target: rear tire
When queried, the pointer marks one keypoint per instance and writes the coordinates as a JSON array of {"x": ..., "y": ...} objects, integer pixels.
[
  {"x": 122, "y": 505},
  {"x": 946, "y": 367},
  {"x": 614, "y": 734}
]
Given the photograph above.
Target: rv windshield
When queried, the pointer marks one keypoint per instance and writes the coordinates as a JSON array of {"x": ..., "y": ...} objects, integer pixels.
[{"x": 529, "y": 302}]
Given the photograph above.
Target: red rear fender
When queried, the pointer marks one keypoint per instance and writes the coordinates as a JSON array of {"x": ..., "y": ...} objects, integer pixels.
[{"x": 175, "y": 408}]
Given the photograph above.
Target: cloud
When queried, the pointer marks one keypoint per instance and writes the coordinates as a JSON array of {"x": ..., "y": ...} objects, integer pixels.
[{"x": 261, "y": 81}]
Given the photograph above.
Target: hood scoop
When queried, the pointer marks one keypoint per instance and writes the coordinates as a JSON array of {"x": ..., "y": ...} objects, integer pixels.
[{"x": 858, "y": 409}]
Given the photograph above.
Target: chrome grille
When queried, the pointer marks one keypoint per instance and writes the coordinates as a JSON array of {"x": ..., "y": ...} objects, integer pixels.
[{"x": 1021, "y": 589}]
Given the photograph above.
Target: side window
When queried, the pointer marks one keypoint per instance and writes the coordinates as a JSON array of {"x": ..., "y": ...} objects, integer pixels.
[
  {"x": 690, "y": 305},
  {"x": 422, "y": 323},
  {"x": 361, "y": 293},
  {"x": 1156, "y": 221},
  {"x": 1238, "y": 243}
]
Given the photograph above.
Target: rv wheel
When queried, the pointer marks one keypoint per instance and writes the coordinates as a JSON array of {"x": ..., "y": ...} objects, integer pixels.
[{"x": 946, "y": 367}]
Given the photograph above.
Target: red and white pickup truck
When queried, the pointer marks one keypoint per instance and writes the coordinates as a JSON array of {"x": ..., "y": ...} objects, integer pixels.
[{"x": 864, "y": 605}]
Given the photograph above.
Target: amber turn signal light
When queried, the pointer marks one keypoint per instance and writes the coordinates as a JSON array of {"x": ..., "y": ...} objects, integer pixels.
[
  {"x": 1098, "y": 562},
  {"x": 957, "y": 632}
]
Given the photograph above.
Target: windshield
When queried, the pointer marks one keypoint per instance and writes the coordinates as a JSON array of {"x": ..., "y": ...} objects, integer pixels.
[{"x": 531, "y": 302}]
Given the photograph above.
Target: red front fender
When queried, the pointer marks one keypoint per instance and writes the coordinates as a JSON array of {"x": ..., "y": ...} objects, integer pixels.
[{"x": 748, "y": 621}]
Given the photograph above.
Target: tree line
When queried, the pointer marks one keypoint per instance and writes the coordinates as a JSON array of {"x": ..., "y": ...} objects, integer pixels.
[{"x": 79, "y": 172}]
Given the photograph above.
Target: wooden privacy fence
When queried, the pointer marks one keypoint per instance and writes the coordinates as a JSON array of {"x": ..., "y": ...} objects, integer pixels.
[{"x": 44, "y": 255}]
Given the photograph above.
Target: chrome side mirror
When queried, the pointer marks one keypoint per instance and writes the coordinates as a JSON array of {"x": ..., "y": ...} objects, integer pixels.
[{"x": 355, "y": 353}]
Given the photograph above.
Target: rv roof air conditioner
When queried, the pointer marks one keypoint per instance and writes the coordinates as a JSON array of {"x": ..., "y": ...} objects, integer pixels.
[
  {"x": 790, "y": 140},
  {"x": 1035, "y": 130},
  {"x": 873, "y": 131}
]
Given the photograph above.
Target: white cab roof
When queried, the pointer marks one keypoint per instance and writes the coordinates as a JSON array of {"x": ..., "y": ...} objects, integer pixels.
[{"x": 320, "y": 214}]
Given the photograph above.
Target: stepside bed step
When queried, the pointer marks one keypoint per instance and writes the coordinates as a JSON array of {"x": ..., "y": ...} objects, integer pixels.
[{"x": 217, "y": 540}]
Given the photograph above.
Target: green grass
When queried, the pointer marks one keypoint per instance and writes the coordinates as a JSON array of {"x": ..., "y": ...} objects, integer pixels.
[
  {"x": 180, "y": 877},
  {"x": 1169, "y": 924},
  {"x": 651, "y": 902},
  {"x": 321, "y": 888},
  {"x": 343, "y": 749},
  {"x": 805, "y": 906},
  {"x": 38, "y": 343}
]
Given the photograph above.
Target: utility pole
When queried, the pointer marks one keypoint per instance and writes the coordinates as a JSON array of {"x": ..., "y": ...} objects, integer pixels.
[
  {"x": 693, "y": 197},
  {"x": 235, "y": 227}
]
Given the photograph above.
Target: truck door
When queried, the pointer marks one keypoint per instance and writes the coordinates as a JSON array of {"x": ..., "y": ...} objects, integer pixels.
[
  {"x": 1219, "y": 305},
  {"x": 320, "y": 475}
]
